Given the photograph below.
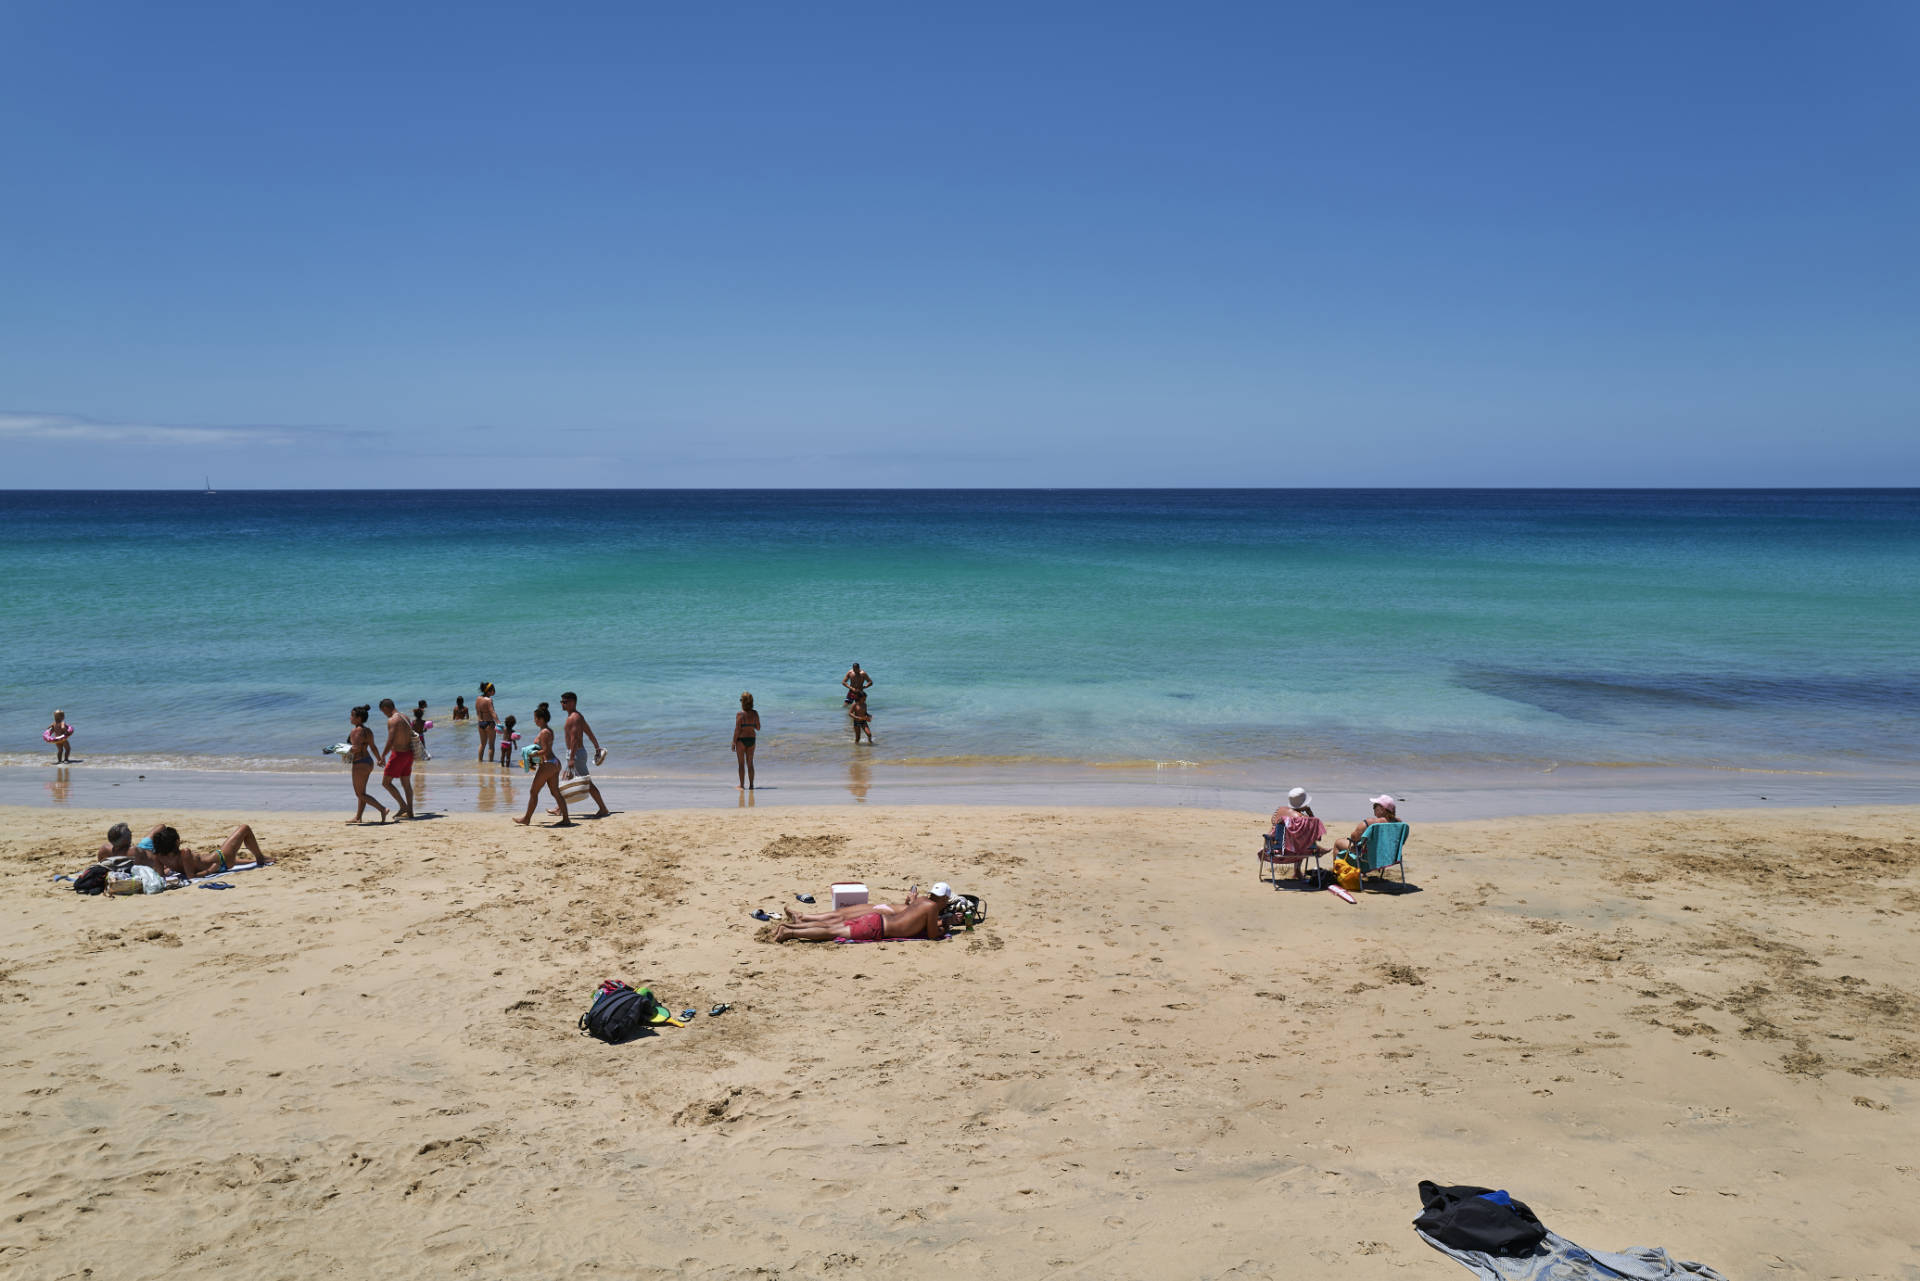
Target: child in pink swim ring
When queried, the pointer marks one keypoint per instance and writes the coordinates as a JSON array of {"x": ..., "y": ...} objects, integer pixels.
[{"x": 60, "y": 734}]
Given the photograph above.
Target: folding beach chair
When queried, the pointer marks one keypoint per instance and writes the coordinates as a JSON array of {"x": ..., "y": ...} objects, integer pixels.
[
  {"x": 1379, "y": 848},
  {"x": 1273, "y": 853}
]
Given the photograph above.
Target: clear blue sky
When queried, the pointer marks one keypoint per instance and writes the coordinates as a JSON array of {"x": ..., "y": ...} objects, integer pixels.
[{"x": 651, "y": 244}]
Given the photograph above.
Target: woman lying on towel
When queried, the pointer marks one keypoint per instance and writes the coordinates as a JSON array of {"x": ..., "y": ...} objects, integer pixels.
[
  {"x": 162, "y": 852},
  {"x": 917, "y": 918}
]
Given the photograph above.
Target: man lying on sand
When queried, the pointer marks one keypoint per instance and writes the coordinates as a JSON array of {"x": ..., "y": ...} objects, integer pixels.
[
  {"x": 119, "y": 844},
  {"x": 841, "y": 915},
  {"x": 918, "y": 918},
  {"x": 162, "y": 852}
]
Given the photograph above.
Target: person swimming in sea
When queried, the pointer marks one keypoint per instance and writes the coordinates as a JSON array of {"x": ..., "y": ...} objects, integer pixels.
[{"x": 460, "y": 707}]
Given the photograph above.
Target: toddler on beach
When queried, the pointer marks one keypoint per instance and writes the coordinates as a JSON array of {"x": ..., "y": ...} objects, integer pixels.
[
  {"x": 507, "y": 739},
  {"x": 60, "y": 734}
]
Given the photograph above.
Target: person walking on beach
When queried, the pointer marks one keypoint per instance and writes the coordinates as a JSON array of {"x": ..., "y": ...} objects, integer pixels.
[
  {"x": 398, "y": 755},
  {"x": 857, "y": 683},
  {"x": 483, "y": 715},
  {"x": 547, "y": 774},
  {"x": 577, "y": 730},
  {"x": 746, "y": 728},
  {"x": 360, "y": 755},
  {"x": 60, "y": 734}
]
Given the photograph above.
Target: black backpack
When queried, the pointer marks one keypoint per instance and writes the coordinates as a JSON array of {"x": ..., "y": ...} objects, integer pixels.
[
  {"x": 619, "y": 1013},
  {"x": 91, "y": 881},
  {"x": 1469, "y": 1218}
]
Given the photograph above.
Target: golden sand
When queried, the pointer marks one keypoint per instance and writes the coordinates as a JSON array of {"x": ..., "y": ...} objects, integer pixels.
[{"x": 1696, "y": 1031}]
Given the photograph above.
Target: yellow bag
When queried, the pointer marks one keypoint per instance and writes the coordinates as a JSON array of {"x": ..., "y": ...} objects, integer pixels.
[{"x": 1347, "y": 874}]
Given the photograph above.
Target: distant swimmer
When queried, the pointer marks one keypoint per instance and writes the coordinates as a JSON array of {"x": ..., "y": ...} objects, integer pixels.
[
  {"x": 746, "y": 729},
  {"x": 857, "y": 683},
  {"x": 484, "y": 717},
  {"x": 460, "y": 712},
  {"x": 398, "y": 754}
]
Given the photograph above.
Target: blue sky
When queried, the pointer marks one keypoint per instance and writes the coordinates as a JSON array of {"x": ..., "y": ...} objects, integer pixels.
[{"x": 644, "y": 244}]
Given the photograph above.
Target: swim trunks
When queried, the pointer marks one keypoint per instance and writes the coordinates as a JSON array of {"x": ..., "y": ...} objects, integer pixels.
[
  {"x": 399, "y": 765},
  {"x": 577, "y": 761},
  {"x": 486, "y": 724},
  {"x": 870, "y": 928}
]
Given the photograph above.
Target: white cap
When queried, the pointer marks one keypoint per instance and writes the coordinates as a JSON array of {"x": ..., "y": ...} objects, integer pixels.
[
  {"x": 942, "y": 890},
  {"x": 1385, "y": 802},
  {"x": 1299, "y": 799}
]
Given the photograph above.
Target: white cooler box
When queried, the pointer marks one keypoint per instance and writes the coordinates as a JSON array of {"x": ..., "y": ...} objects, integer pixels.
[{"x": 849, "y": 894}]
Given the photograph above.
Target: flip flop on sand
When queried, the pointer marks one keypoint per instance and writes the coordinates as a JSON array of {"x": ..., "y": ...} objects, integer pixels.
[
  {"x": 761, "y": 914},
  {"x": 804, "y": 898}
]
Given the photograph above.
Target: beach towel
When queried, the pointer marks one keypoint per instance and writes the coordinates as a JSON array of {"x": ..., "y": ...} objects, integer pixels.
[{"x": 1558, "y": 1259}]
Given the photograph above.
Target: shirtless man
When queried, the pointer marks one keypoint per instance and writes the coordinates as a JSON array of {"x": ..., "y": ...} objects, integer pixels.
[
  {"x": 577, "y": 730},
  {"x": 398, "y": 754},
  {"x": 857, "y": 683},
  {"x": 483, "y": 714},
  {"x": 841, "y": 915},
  {"x": 162, "y": 852},
  {"x": 921, "y": 919},
  {"x": 119, "y": 844}
]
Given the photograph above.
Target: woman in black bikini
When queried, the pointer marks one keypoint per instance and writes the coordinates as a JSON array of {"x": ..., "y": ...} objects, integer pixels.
[
  {"x": 746, "y": 727},
  {"x": 483, "y": 705},
  {"x": 360, "y": 755}
]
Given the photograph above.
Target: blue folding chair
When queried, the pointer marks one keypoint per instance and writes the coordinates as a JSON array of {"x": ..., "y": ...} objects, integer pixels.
[{"x": 1380, "y": 847}]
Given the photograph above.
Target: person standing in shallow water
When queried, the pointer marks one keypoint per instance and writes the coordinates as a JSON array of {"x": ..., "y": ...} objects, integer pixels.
[
  {"x": 484, "y": 719},
  {"x": 857, "y": 683},
  {"x": 746, "y": 728}
]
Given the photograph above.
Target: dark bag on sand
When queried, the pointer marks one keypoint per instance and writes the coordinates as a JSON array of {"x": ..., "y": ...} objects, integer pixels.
[
  {"x": 91, "y": 881},
  {"x": 619, "y": 1012},
  {"x": 1470, "y": 1218}
]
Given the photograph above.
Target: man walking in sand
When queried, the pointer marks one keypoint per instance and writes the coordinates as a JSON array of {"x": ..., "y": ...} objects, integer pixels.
[
  {"x": 577, "y": 732},
  {"x": 398, "y": 754}
]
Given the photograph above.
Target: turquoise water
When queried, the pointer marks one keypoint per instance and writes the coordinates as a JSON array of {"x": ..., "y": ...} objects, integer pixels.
[{"x": 1426, "y": 631}]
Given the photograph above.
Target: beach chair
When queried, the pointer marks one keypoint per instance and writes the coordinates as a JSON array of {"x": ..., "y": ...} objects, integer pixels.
[
  {"x": 1273, "y": 853},
  {"x": 1379, "y": 848}
]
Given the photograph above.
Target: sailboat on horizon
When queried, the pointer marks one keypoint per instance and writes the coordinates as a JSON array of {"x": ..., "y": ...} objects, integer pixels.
[{"x": 209, "y": 489}]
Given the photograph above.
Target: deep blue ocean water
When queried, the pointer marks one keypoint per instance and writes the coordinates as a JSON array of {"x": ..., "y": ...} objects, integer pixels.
[{"x": 1408, "y": 631}]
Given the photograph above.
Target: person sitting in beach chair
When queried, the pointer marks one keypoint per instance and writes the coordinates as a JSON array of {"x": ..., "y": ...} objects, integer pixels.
[
  {"x": 1376, "y": 844},
  {"x": 920, "y": 918},
  {"x": 161, "y": 850},
  {"x": 1294, "y": 837}
]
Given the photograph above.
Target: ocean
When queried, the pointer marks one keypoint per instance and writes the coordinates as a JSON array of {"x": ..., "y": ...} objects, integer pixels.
[{"x": 1102, "y": 644}]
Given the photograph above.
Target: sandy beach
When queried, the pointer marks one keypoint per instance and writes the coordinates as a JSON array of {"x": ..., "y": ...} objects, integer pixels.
[{"x": 1699, "y": 1031}]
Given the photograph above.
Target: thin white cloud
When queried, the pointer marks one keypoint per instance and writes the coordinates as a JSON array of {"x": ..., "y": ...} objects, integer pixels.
[{"x": 72, "y": 429}]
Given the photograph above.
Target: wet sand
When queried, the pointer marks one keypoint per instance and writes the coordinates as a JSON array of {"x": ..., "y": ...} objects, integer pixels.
[{"x": 1690, "y": 1030}]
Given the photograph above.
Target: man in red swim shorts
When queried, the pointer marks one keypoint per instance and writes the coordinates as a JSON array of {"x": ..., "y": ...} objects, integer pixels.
[
  {"x": 920, "y": 918},
  {"x": 399, "y": 757}
]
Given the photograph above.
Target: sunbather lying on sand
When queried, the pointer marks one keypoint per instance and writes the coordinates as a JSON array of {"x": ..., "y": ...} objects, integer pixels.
[
  {"x": 839, "y": 915},
  {"x": 918, "y": 918},
  {"x": 163, "y": 852},
  {"x": 119, "y": 843}
]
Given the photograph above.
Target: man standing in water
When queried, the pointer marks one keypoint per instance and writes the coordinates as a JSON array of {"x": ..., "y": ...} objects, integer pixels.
[
  {"x": 398, "y": 754},
  {"x": 857, "y": 683},
  {"x": 577, "y": 731}
]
